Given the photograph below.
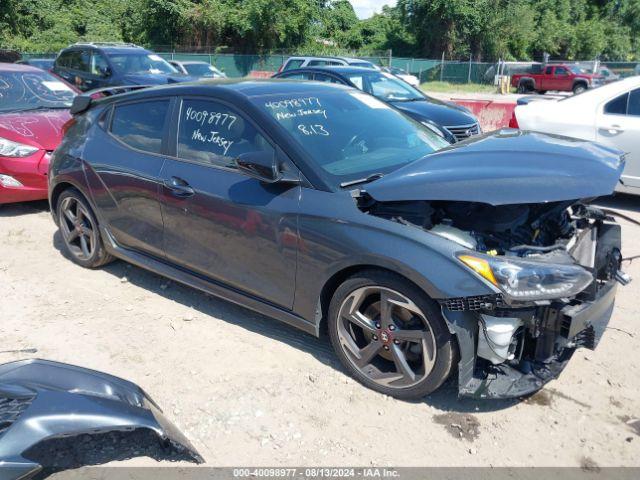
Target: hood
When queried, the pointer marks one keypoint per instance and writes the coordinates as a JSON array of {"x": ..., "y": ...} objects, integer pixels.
[
  {"x": 442, "y": 113},
  {"x": 154, "y": 78},
  {"x": 506, "y": 167},
  {"x": 41, "y": 129}
]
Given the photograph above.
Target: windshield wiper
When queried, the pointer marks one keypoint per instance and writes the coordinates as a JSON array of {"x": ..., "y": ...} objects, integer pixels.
[{"x": 370, "y": 178}]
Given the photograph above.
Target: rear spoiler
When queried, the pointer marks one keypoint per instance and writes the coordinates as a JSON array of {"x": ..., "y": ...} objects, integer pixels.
[{"x": 81, "y": 103}]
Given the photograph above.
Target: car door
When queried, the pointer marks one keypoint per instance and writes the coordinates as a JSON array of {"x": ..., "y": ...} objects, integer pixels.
[
  {"x": 219, "y": 222},
  {"x": 560, "y": 79},
  {"x": 125, "y": 161},
  {"x": 618, "y": 125},
  {"x": 546, "y": 80}
]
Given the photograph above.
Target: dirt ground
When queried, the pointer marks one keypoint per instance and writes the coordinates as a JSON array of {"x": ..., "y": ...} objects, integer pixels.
[{"x": 250, "y": 391}]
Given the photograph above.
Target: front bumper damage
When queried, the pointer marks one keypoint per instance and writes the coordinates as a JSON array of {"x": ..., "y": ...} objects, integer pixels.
[
  {"x": 44, "y": 401},
  {"x": 543, "y": 337}
]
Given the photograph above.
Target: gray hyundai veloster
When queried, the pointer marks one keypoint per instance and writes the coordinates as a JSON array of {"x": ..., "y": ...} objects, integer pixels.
[{"x": 325, "y": 208}]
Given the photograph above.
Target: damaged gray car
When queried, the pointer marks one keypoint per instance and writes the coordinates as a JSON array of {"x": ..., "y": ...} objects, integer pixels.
[
  {"x": 329, "y": 210},
  {"x": 54, "y": 415}
]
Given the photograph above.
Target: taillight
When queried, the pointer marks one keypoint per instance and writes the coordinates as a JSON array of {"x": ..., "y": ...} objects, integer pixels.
[
  {"x": 513, "y": 123},
  {"x": 67, "y": 125}
]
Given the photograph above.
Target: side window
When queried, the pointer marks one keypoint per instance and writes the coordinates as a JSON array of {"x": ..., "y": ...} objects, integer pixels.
[
  {"x": 98, "y": 63},
  {"x": 317, "y": 63},
  {"x": 548, "y": 71},
  {"x": 633, "y": 107},
  {"x": 319, "y": 77},
  {"x": 214, "y": 134},
  {"x": 64, "y": 60},
  {"x": 561, "y": 71},
  {"x": 140, "y": 125},
  {"x": 617, "y": 106},
  {"x": 293, "y": 64}
]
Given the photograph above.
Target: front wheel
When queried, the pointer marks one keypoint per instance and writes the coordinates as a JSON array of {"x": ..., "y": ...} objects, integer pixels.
[
  {"x": 390, "y": 336},
  {"x": 79, "y": 229},
  {"x": 579, "y": 88}
]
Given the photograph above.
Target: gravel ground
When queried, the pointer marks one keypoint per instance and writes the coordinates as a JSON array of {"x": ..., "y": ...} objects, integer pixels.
[{"x": 250, "y": 391}]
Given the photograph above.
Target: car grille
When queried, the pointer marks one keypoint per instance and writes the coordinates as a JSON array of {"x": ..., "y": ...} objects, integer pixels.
[
  {"x": 462, "y": 132},
  {"x": 462, "y": 304},
  {"x": 11, "y": 409}
]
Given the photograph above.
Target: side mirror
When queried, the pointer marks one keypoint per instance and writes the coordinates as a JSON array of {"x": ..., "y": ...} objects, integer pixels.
[{"x": 263, "y": 166}]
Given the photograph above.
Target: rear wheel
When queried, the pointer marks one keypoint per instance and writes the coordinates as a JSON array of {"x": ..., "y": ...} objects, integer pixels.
[
  {"x": 79, "y": 229},
  {"x": 390, "y": 336}
]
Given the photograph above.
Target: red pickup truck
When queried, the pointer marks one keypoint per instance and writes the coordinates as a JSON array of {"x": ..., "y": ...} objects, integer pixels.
[{"x": 561, "y": 77}]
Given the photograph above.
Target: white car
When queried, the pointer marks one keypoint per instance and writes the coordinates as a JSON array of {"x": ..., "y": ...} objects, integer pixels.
[
  {"x": 609, "y": 115},
  {"x": 403, "y": 75}
]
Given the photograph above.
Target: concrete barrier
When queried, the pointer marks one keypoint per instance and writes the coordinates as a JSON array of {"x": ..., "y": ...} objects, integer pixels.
[{"x": 492, "y": 114}]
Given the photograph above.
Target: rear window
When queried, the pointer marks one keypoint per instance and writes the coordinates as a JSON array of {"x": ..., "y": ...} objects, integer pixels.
[
  {"x": 140, "y": 125},
  {"x": 20, "y": 91}
]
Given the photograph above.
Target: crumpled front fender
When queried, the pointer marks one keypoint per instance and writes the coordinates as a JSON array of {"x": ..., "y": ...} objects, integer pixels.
[{"x": 44, "y": 400}]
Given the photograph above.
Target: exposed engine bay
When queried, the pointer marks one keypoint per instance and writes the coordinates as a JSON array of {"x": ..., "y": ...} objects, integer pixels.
[{"x": 556, "y": 266}]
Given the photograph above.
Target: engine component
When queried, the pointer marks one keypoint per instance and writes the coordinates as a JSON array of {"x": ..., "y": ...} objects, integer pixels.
[{"x": 495, "y": 340}]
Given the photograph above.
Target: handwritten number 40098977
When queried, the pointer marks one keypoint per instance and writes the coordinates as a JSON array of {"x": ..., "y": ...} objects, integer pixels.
[{"x": 316, "y": 129}]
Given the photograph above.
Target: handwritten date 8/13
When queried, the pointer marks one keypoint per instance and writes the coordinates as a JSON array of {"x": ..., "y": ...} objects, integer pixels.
[{"x": 315, "y": 129}]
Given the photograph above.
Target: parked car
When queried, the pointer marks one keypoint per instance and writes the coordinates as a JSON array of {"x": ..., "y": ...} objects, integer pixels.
[
  {"x": 609, "y": 115},
  {"x": 510, "y": 69},
  {"x": 403, "y": 75},
  {"x": 450, "y": 121},
  {"x": 89, "y": 66},
  {"x": 302, "y": 62},
  {"x": 561, "y": 77},
  {"x": 419, "y": 257},
  {"x": 34, "y": 108},
  {"x": 43, "y": 63},
  {"x": 197, "y": 69}
]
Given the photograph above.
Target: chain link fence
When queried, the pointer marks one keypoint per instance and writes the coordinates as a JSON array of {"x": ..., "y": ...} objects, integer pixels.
[{"x": 427, "y": 70}]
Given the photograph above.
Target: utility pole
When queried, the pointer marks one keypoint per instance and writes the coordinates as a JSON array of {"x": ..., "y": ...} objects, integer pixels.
[{"x": 442, "y": 66}]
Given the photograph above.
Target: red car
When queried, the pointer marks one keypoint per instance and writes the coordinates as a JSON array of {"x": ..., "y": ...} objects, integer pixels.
[
  {"x": 34, "y": 105},
  {"x": 563, "y": 78}
]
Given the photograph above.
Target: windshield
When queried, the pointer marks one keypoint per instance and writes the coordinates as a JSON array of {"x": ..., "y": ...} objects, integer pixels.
[
  {"x": 385, "y": 86},
  {"x": 577, "y": 70},
  {"x": 349, "y": 134},
  {"x": 363, "y": 65},
  {"x": 32, "y": 90},
  {"x": 201, "y": 70},
  {"x": 148, "y": 63}
]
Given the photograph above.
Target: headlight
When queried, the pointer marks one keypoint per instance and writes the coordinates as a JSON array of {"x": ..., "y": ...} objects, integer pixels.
[
  {"x": 433, "y": 128},
  {"x": 526, "y": 280},
  {"x": 13, "y": 149}
]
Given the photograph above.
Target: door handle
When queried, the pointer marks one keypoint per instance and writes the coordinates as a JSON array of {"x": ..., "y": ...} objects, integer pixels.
[
  {"x": 179, "y": 187},
  {"x": 612, "y": 130}
]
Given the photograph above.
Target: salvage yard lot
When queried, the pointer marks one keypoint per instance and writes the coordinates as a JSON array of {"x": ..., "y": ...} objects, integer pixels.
[{"x": 250, "y": 391}]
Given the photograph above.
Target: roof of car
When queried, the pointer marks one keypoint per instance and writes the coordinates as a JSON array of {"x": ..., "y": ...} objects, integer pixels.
[
  {"x": 189, "y": 62},
  {"x": 346, "y": 59},
  {"x": 109, "y": 48},
  {"x": 239, "y": 87},
  {"x": 18, "y": 67},
  {"x": 344, "y": 69}
]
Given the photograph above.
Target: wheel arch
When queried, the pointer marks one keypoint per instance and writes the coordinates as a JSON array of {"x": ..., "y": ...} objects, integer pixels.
[
  {"x": 62, "y": 186},
  {"x": 338, "y": 277}
]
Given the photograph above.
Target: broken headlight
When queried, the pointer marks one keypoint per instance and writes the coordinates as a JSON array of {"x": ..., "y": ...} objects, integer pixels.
[{"x": 525, "y": 280}]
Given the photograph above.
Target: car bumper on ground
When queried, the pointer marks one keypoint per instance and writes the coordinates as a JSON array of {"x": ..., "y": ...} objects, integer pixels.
[{"x": 24, "y": 179}]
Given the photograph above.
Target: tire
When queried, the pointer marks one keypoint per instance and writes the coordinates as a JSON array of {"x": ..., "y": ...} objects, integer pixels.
[
  {"x": 522, "y": 88},
  {"x": 579, "y": 88},
  {"x": 542, "y": 92},
  {"x": 406, "y": 354},
  {"x": 79, "y": 230}
]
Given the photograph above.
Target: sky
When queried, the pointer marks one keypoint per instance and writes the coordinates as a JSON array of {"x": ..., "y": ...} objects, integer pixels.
[{"x": 366, "y": 8}]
